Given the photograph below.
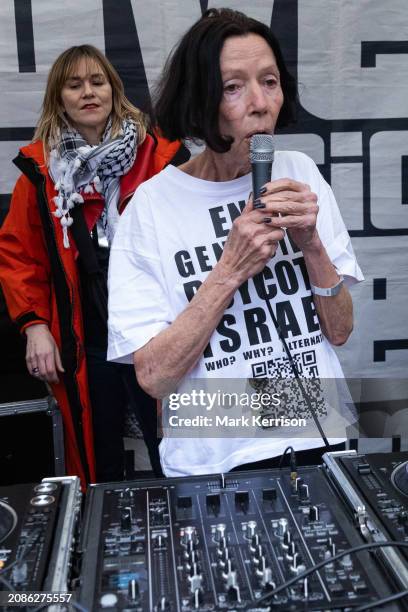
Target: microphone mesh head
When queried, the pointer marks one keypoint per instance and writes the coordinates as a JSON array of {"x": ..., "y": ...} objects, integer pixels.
[{"x": 261, "y": 148}]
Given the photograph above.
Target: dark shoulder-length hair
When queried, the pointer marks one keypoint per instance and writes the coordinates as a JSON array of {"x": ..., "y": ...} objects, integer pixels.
[{"x": 189, "y": 93}]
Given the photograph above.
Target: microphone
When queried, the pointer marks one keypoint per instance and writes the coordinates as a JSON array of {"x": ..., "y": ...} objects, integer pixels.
[{"x": 261, "y": 152}]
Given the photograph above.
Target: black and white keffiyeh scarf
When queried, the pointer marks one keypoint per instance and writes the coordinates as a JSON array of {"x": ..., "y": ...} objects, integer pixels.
[{"x": 77, "y": 167}]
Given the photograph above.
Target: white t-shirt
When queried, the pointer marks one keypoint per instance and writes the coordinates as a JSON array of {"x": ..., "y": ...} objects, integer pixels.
[{"x": 168, "y": 239}]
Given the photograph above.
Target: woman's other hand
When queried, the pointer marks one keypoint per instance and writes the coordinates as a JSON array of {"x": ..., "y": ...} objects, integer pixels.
[
  {"x": 251, "y": 243},
  {"x": 293, "y": 206},
  {"x": 42, "y": 355}
]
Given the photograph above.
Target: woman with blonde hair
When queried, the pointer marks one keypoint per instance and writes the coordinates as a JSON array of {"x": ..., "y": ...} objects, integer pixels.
[{"x": 90, "y": 150}]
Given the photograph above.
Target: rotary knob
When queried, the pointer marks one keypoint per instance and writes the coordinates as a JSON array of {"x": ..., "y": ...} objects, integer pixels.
[
  {"x": 282, "y": 527},
  {"x": 191, "y": 547},
  {"x": 192, "y": 558},
  {"x": 187, "y": 536},
  {"x": 314, "y": 513},
  {"x": 224, "y": 558},
  {"x": 297, "y": 566},
  {"x": 233, "y": 594},
  {"x": 220, "y": 530},
  {"x": 255, "y": 542},
  {"x": 258, "y": 554},
  {"x": 266, "y": 579},
  {"x": 126, "y": 497},
  {"x": 230, "y": 575},
  {"x": 262, "y": 565},
  {"x": 126, "y": 519},
  {"x": 290, "y": 553},
  {"x": 251, "y": 529},
  {"x": 195, "y": 578},
  {"x": 303, "y": 492},
  {"x": 287, "y": 539}
]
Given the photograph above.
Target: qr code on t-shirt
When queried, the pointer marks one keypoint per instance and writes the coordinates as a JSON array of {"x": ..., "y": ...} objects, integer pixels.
[{"x": 276, "y": 377}]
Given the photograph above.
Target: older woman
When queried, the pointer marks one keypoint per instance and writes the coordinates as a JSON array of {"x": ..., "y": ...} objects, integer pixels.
[
  {"x": 197, "y": 259},
  {"x": 90, "y": 151}
]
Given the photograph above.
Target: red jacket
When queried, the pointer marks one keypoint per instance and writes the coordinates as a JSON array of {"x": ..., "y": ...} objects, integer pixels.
[{"x": 40, "y": 281}]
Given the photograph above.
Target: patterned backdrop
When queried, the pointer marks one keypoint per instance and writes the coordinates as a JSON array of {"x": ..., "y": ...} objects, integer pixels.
[{"x": 351, "y": 60}]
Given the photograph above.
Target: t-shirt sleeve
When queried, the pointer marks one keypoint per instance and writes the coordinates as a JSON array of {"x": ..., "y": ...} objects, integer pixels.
[
  {"x": 138, "y": 301},
  {"x": 335, "y": 236}
]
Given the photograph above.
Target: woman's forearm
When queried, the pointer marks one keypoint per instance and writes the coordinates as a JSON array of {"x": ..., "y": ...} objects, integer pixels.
[
  {"x": 169, "y": 356},
  {"x": 336, "y": 312}
]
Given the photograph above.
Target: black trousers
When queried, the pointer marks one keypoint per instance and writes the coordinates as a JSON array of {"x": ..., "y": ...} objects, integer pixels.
[
  {"x": 112, "y": 387},
  {"x": 312, "y": 456}
]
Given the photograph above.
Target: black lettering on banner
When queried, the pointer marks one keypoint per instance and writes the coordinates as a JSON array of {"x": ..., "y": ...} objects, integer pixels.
[
  {"x": 286, "y": 277},
  {"x": 286, "y": 319},
  {"x": 203, "y": 258},
  {"x": 218, "y": 221},
  {"x": 25, "y": 35},
  {"x": 404, "y": 179},
  {"x": 122, "y": 48},
  {"x": 224, "y": 329},
  {"x": 184, "y": 264},
  {"x": 309, "y": 308},
  {"x": 257, "y": 328},
  {"x": 382, "y": 346},
  {"x": 370, "y": 49}
]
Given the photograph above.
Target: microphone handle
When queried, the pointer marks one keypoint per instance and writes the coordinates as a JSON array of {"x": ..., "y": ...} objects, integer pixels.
[{"x": 261, "y": 174}]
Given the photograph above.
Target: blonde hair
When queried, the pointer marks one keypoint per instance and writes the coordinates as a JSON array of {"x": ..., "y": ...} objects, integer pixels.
[{"x": 53, "y": 118}]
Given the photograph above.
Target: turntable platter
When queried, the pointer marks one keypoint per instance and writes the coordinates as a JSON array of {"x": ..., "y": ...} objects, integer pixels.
[
  {"x": 399, "y": 478},
  {"x": 8, "y": 520}
]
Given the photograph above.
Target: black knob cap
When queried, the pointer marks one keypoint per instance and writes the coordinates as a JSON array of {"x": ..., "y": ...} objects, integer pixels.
[
  {"x": 269, "y": 494},
  {"x": 242, "y": 500},
  {"x": 184, "y": 502},
  {"x": 291, "y": 550},
  {"x": 313, "y": 513},
  {"x": 287, "y": 538},
  {"x": 126, "y": 519},
  {"x": 303, "y": 492},
  {"x": 213, "y": 503},
  {"x": 255, "y": 542},
  {"x": 233, "y": 594}
]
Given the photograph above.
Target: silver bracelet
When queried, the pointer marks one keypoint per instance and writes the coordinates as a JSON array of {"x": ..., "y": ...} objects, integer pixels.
[{"x": 328, "y": 291}]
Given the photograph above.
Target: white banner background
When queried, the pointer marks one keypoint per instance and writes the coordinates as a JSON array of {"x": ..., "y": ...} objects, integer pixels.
[{"x": 352, "y": 64}]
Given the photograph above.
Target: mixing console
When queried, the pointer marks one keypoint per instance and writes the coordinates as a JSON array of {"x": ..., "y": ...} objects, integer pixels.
[{"x": 224, "y": 543}]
